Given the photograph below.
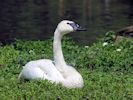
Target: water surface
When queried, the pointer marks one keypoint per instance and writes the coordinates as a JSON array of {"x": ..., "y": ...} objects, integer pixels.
[{"x": 37, "y": 19}]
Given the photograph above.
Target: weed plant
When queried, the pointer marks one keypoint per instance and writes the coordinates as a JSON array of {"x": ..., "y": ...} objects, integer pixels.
[{"x": 107, "y": 70}]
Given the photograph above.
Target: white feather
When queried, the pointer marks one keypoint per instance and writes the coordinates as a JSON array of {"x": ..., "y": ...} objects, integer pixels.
[{"x": 60, "y": 72}]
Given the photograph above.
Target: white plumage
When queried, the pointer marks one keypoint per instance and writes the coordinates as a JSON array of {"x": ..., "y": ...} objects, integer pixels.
[{"x": 58, "y": 72}]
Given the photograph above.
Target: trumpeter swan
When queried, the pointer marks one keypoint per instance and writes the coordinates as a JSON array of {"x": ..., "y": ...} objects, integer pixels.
[{"x": 58, "y": 72}]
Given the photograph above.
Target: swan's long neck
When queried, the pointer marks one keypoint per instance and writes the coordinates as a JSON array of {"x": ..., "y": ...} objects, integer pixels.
[{"x": 57, "y": 49}]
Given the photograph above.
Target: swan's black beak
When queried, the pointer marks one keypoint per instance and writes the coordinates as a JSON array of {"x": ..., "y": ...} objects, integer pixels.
[
  {"x": 81, "y": 29},
  {"x": 76, "y": 27}
]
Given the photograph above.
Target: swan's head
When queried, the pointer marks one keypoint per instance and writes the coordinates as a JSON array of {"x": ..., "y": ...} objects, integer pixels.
[{"x": 67, "y": 26}]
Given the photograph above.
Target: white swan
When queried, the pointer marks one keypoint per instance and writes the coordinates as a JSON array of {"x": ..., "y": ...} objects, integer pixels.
[{"x": 58, "y": 72}]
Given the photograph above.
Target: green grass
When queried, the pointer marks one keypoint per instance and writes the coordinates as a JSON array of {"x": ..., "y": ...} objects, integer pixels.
[
  {"x": 98, "y": 86},
  {"x": 107, "y": 73}
]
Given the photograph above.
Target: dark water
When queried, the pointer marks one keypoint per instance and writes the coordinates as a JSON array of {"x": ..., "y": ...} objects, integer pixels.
[{"x": 37, "y": 19}]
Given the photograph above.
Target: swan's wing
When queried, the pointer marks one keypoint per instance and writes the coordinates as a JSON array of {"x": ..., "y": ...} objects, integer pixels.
[
  {"x": 44, "y": 64},
  {"x": 43, "y": 69}
]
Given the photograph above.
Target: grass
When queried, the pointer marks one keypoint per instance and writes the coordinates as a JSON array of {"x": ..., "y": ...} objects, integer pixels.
[
  {"x": 107, "y": 73},
  {"x": 98, "y": 86}
]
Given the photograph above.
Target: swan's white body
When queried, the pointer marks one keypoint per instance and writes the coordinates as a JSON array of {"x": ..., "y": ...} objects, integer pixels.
[{"x": 58, "y": 72}]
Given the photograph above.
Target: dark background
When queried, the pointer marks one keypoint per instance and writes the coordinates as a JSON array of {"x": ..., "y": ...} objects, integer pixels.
[{"x": 37, "y": 19}]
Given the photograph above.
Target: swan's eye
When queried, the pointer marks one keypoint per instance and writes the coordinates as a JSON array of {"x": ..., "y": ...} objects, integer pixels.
[{"x": 70, "y": 23}]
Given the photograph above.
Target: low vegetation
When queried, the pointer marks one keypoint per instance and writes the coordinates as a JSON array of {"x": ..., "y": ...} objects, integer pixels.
[{"x": 106, "y": 66}]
